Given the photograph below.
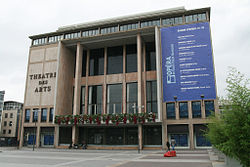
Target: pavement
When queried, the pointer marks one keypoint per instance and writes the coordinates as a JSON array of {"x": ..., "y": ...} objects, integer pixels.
[{"x": 46, "y": 157}]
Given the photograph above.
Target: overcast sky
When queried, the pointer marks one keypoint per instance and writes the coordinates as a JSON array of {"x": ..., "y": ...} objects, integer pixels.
[{"x": 230, "y": 26}]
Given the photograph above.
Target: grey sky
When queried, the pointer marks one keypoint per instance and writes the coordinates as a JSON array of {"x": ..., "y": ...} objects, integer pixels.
[{"x": 230, "y": 27}]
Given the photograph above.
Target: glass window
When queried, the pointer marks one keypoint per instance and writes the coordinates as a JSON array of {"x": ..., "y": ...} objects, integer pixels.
[
  {"x": 152, "y": 96},
  {"x": 181, "y": 140},
  {"x": 82, "y": 107},
  {"x": 150, "y": 23},
  {"x": 5, "y": 123},
  {"x": 152, "y": 135},
  {"x": 189, "y": 18},
  {"x": 84, "y": 63},
  {"x": 95, "y": 100},
  {"x": 10, "y": 123},
  {"x": 11, "y": 115},
  {"x": 132, "y": 105},
  {"x": 114, "y": 99},
  {"x": 96, "y": 62},
  {"x": 9, "y": 131},
  {"x": 128, "y": 27},
  {"x": 196, "y": 109},
  {"x": 4, "y": 131},
  {"x": 35, "y": 115},
  {"x": 51, "y": 114},
  {"x": 183, "y": 109},
  {"x": 170, "y": 110},
  {"x": 6, "y": 115},
  {"x": 131, "y": 58},
  {"x": 44, "y": 115},
  {"x": 27, "y": 115},
  {"x": 150, "y": 56},
  {"x": 115, "y": 60},
  {"x": 201, "y": 140},
  {"x": 114, "y": 136},
  {"x": 209, "y": 106}
]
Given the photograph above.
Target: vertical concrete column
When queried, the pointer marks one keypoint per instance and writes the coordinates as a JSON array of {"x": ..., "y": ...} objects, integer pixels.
[
  {"x": 144, "y": 77},
  {"x": 191, "y": 135},
  {"x": 139, "y": 72},
  {"x": 164, "y": 127},
  {"x": 105, "y": 81},
  {"x": 22, "y": 129},
  {"x": 190, "y": 116},
  {"x": 216, "y": 107},
  {"x": 124, "y": 86},
  {"x": 87, "y": 85},
  {"x": 177, "y": 111},
  {"x": 139, "y": 87},
  {"x": 77, "y": 91},
  {"x": 158, "y": 71},
  {"x": 203, "y": 114},
  {"x": 56, "y": 137},
  {"x": 38, "y": 130}
]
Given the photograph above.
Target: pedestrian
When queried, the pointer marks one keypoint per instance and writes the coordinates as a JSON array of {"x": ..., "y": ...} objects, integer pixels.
[
  {"x": 168, "y": 145},
  {"x": 173, "y": 143}
]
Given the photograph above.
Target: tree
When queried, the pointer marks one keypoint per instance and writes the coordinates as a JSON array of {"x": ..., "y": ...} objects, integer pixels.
[{"x": 229, "y": 132}]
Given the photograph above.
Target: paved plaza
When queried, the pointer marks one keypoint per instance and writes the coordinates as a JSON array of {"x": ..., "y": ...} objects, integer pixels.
[{"x": 101, "y": 158}]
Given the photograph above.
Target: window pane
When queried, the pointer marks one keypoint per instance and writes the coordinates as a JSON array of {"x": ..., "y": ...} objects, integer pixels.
[
  {"x": 44, "y": 115},
  {"x": 115, "y": 60},
  {"x": 196, "y": 109},
  {"x": 114, "y": 98},
  {"x": 170, "y": 110},
  {"x": 51, "y": 114},
  {"x": 132, "y": 106},
  {"x": 35, "y": 115},
  {"x": 27, "y": 115},
  {"x": 151, "y": 96},
  {"x": 150, "y": 57},
  {"x": 96, "y": 62},
  {"x": 209, "y": 106},
  {"x": 183, "y": 109},
  {"x": 95, "y": 100},
  {"x": 131, "y": 58},
  {"x": 82, "y": 109},
  {"x": 84, "y": 62}
]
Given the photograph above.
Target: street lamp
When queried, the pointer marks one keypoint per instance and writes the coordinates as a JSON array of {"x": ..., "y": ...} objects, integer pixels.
[{"x": 35, "y": 114}]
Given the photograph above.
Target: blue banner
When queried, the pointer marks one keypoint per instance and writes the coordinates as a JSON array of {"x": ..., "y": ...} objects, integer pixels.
[{"x": 187, "y": 63}]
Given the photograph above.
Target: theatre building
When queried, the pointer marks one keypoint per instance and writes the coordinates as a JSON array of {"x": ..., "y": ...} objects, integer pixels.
[{"x": 129, "y": 82}]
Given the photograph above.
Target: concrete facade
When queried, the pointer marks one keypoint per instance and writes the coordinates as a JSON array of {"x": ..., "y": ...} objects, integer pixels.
[{"x": 55, "y": 80}]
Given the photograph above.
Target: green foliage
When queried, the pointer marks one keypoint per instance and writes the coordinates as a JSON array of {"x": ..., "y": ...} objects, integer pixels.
[{"x": 230, "y": 131}]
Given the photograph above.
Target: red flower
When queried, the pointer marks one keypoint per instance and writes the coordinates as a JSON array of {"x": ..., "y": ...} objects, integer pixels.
[
  {"x": 90, "y": 120},
  {"x": 67, "y": 120},
  {"x": 135, "y": 119},
  {"x": 59, "y": 121},
  {"x": 124, "y": 119},
  {"x": 75, "y": 120}
]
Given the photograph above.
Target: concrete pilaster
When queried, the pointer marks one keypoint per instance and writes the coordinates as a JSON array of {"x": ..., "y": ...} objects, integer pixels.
[
  {"x": 38, "y": 130},
  {"x": 203, "y": 114},
  {"x": 190, "y": 116},
  {"x": 140, "y": 136},
  {"x": 124, "y": 86},
  {"x": 77, "y": 91},
  {"x": 105, "y": 82},
  {"x": 139, "y": 72},
  {"x": 139, "y": 87},
  {"x": 191, "y": 135},
  {"x": 164, "y": 128},
  {"x": 56, "y": 137},
  {"x": 177, "y": 111}
]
